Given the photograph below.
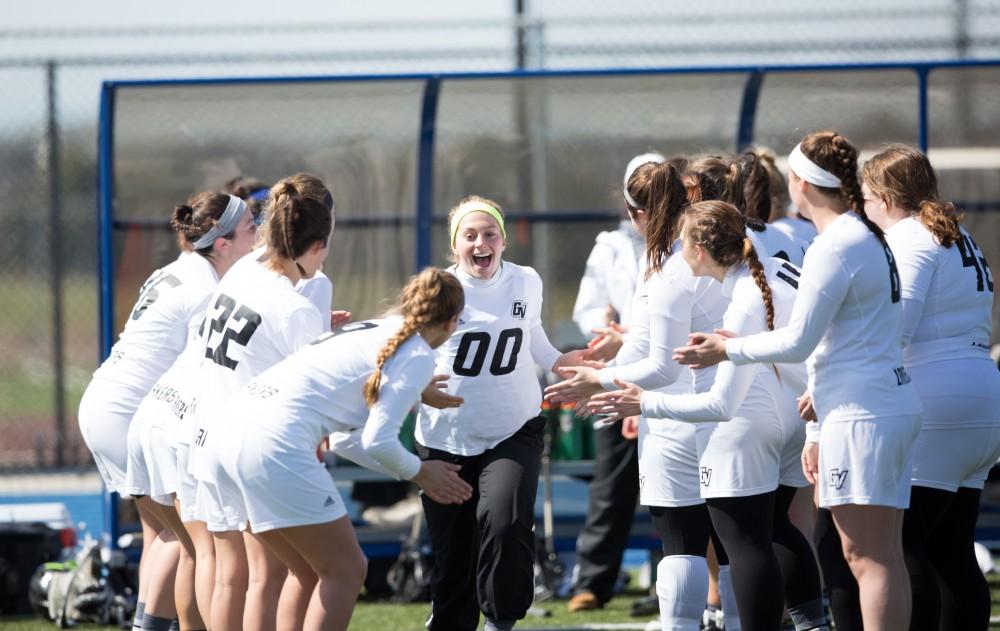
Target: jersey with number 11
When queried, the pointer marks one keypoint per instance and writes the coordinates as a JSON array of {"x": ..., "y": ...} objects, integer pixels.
[{"x": 490, "y": 362}]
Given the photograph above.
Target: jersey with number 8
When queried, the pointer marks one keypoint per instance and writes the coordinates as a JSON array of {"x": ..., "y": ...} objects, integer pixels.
[{"x": 490, "y": 361}]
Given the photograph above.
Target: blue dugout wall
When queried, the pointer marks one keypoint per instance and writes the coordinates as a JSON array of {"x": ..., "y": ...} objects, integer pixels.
[{"x": 400, "y": 150}]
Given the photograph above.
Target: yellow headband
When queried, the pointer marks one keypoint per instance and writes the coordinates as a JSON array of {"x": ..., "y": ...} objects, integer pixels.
[{"x": 475, "y": 207}]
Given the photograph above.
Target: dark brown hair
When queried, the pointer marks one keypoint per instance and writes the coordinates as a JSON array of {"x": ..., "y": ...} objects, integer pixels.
[
  {"x": 428, "y": 299},
  {"x": 780, "y": 201},
  {"x": 905, "y": 176},
  {"x": 660, "y": 192},
  {"x": 193, "y": 220},
  {"x": 836, "y": 154},
  {"x": 720, "y": 229},
  {"x": 249, "y": 189},
  {"x": 748, "y": 187},
  {"x": 295, "y": 222},
  {"x": 706, "y": 178}
]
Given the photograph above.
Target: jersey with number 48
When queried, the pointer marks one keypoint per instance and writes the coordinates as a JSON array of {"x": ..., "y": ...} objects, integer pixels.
[
  {"x": 254, "y": 320},
  {"x": 490, "y": 362},
  {"x": 947, "y": 295}
]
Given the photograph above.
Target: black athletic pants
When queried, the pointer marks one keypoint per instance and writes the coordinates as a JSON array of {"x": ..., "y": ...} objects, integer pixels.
[
  {"x": 949, "y": 590},
  {"x": 611, "y": 507},
  {"x": 484, "y": 549}
]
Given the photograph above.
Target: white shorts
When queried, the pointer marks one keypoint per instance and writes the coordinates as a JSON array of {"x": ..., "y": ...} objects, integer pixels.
[
  {"x": 793, "y": 438},
  {"x": 106, "y": 411},
  {"x": 668, "y": 463},
  {"x": 187, "y": 487},
  {"x": 739, "y": 457},
  {"x": 220, "y": 506},
  {"x": 136, "y": 475},
  {"x": 867, "y": 462},
  {"x": 960, "y": 439},
  {"x": 283, "y": 487}
]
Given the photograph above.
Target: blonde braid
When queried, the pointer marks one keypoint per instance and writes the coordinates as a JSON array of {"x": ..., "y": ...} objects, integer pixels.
[{"x": 429, "y": 298}]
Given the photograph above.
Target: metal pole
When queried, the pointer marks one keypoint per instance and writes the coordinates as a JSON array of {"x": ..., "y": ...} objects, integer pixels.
[
  {"x": 520, "y": 36},
  {"x": 56, "y": 264},
  {"x": 962, "y": 39}
]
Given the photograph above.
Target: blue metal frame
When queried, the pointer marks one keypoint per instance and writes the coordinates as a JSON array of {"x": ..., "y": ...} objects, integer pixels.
[
  {"x": 424, "y": 215},
  {"x": 105, "y": 270}
]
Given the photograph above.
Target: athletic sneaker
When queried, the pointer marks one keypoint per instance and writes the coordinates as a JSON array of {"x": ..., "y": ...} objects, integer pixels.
[
  {"x": 712, "y": 619},
  {"x": 583, "y": 601}
]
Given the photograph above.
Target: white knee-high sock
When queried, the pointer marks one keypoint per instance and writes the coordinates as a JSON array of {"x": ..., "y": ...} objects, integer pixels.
[
  {"x": 728, "y": 598},
  {"x": 682, "y": 587}
]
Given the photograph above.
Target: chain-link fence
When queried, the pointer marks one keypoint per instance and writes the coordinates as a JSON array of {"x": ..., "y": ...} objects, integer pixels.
[{"x": 48, "y": 117}]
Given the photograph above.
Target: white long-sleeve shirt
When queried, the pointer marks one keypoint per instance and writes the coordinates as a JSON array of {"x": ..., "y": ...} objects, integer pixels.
[
  {"x": 750, "y": 390},
  {"x": 490, "y": 362},
  {"x": 609, "y": 278},
  {"x": 847, "y": 321},
  {"x": 678, "y": 303},
  {"x": 947, "y": 295},
  {"x": 318, "y": 391}
]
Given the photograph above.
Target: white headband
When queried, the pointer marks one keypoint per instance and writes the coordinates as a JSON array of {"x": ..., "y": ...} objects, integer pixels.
[
  {"x": 809, "y": 170},
  {"x": 633, "y": 165},
  {"x": 226, "y": 223}
]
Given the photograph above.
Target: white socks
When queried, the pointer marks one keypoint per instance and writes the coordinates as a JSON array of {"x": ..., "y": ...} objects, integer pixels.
[{"x": 682, "y": 587}]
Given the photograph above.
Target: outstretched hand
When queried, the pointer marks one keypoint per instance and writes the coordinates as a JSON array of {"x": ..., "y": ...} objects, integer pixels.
[
  {"x": 439, "y": 480},
  {"x": 618, "y": 404},
  {"x": 339, "y": 318},
  {"x": 608, "y": 342},
  {"x": 580, "y": 383},
  {"x": 435, "y": 396},
  {"x": 704, "y": 349}
]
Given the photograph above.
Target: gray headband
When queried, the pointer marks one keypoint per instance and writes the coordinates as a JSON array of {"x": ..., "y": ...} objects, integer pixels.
[{"x": 226, "y": 223}]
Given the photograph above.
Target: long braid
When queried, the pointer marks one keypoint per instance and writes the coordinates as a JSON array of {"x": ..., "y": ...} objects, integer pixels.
[
  {"x": 757, "y": 271},
  {"x": 430, "y": 298}
]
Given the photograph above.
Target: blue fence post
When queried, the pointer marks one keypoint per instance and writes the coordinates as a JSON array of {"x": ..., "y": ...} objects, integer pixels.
[
  {"x": 425, "y": 172},
  {"x": 748, "y": 110},
  {"x": 105, "y": 271},
  {"x": 922, "y": 111}
]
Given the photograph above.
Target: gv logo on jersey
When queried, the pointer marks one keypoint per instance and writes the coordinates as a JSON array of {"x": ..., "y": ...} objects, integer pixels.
[
  {"x": 642, "y": 481},
  {"x": 837, "y": 478},
  {"x": 901, "y": 376},
  {"x": 519, "y": 309},
  {"x": 706, "y": 476}
]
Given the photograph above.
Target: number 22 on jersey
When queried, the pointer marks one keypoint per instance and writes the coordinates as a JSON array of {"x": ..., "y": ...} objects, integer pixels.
[{"x": 234, "y": 325}]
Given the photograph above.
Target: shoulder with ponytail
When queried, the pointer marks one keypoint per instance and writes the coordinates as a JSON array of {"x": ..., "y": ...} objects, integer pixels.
[
  {"x": 942, "y": 220},
  {"x": 371, "y": 387},
  {"x": 666, "y": 202}
]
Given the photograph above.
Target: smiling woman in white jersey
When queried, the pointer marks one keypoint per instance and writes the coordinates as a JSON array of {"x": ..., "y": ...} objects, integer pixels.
[
  {"x": 484, "y": 549},
  {"x": 847, "y": 322},
  {"x": 749, "y": 462},
  {"x": 947, "y": 297},
  {"x": 673, "y": 303},
  {"x": 361, "y": 379},
  {"x": 255, "y": 319},
  {"x": 156, "y": 331}
]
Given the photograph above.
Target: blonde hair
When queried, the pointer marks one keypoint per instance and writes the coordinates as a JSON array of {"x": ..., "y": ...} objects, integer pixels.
[
  {"x": 428, "y": 299},
  {"x": 469, "y": 199}
]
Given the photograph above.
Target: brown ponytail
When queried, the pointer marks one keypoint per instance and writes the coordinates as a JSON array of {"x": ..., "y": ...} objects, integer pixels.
[
  {"x": 706, "y": 178},
  {"x": 430, "y": 298},
  {"x": 295, "y": 222},
  {"x": 905, "y": 176},
  {"x": 720, "y": 229},
  {"x": 194, "y": 219},
  {"x": 658, "y": 187},
  {"x": 836, "y": 154}
]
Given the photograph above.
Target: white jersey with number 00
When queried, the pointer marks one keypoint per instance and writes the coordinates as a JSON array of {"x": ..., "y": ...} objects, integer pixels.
[{"x": 490, "y": 363}]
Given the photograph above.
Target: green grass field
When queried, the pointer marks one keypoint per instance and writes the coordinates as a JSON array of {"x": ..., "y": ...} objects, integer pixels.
[{"x": 382, "y": 616}]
